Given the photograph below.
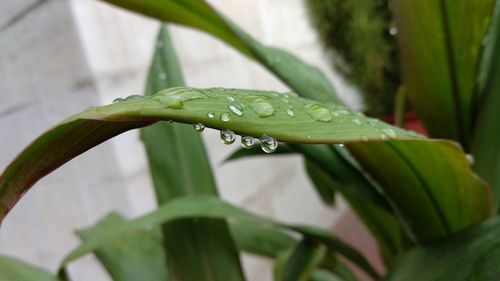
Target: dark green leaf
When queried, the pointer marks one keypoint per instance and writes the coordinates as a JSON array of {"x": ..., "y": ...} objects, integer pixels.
[
  {"x": 201, "y": 206},
  {"x": 203, "y": 249},
  {"x": 301, "y": 77},
  {"x": 322, "y": 182},
  {"x": 486, "y": 141},
  {"x": 137, "y": 255},
  {"x": 12, "y": 269},
  {"x": 440, "y": 42},
  {"x": 257, "y": 151},
  {"x": 471, "y": 255}
]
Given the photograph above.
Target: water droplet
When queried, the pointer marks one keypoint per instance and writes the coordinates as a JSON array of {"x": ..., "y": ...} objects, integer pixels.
[
  {"x": 308, "y": 137},
  {"x": 340, "y": 145},
  {"x": 118, "y": 100},
  {"x": 227, "y": 136},
  {"x": 134, "y": 98},
  {"x": 393, "y": 30},
  {"x": 356, "y": 121},
  {"x": 225, "y": 117},
  {"x": 211, "y": 114},
  {"x": 390, "y": 133},
  {"x": 230, "y": 98},
  {"x": 236, "y": 109},
  {"x": 268, "y": 144},
  {"x": 290, "y": 112},
  {"x": 318, "y": 112},
  {"x": 175, "y": 97},
  {"x": 470, "y": 159},
  {"x": 198, "y": 127},
  {"x": 261, "y": 107},
  {"x": 162, "y": 76},
  {"x": 247, "y": 142}
]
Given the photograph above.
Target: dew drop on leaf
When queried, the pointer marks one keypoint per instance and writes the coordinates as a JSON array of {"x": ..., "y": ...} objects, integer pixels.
[
  {"x": 261, "y": 107},
  {"x": 390, "y": 132},
  {"x": 211, "y": 114},
  {"x": 318, "y": 112},
  {"x": 356, "y": 121},
  {"x": 227, "y": 136},
  {"x": 198, "y": 127},
  {"x": 117, "y": 100},
  {"x": 470, "y": 159},
  {"x": 268, "y": 144},
  {"x": 236, "y": 109},
  {"x": 247, "y": 142},
  {"x": 134, "y": 98},
  {"x": 290, "y": 112},
  {"x": 225, "y": 117}
]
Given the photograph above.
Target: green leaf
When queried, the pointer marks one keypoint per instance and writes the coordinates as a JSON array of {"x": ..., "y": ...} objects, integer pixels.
[
  {"x": 445, "y": 196},
  {"x": 471, "y": 255},
  {"x": 138, "y": 255},
  {"x": 12, "y": 269},
  {"x": 440, "y": 52},
  {"x": 321, "y": 181},
  {"x": 261, "y": 241},
  {"x": 407, "y": 176},
  {"x": 301, "y": 77},
  {"x": 300, "y": 264},
  {"x": 487, "y": 136},
  {"x": 324, "y": 275},
  {"x": 202, "y": 206},
  {"x": 179, "y": 167},
  {"x": 257, "y": 151}
]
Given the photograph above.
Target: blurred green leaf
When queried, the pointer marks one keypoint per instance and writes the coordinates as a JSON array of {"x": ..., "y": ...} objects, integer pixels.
[
  {"x": 12, "y": 269},
  {"x": 302, "y": 261},
  {"x": 261, "y": 241},
  {"x": 203, "y": 206},
  {"x": 471, "y": 255},
  {"x": 322, "y": 182},
  {"x": 439, "y": 44},
  {"x": 300, "y": 76},
  {"x": 204, "y": 249},
  {"x": 138, "y": 255},
  {"x": 486, "y": 140}
]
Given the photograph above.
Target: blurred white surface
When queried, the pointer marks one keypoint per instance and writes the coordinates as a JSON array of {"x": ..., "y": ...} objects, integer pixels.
[{"x": 59, "y": 57}]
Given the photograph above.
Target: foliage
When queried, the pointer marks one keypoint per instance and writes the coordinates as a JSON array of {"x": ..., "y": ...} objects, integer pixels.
[
  {"x": 429, "y": 212},
  {"x": 345, "y": 28}
]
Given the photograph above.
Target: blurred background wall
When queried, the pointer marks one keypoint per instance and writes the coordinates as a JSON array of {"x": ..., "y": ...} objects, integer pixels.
[{"x": 58, "y": 57}]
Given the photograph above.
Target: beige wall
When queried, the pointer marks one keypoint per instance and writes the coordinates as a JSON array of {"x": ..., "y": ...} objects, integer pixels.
[{"x": 60, "y": 57}]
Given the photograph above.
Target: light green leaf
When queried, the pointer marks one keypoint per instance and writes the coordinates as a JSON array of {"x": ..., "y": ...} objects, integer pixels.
[
  {"x": 485, "y": 146},
  {"x": 471, "y": 255},
  {"x": 440, "y": 43},
  {"x": 301, "y": 77},
  {"x": 179, "y": 167},
  {"x": 138, "y": 255},
  {"x": 12, "y": 269},
  {"x": 199, "y": 206},
  {"x": 412, "y": 183}
]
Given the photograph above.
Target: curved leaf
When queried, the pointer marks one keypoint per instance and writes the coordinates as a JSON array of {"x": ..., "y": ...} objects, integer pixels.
[
  {"x": 371, "y": 141},
  {"x": 303, "y": 260},
  {"x": 200, "y": 206},
  {"x": 301, "y": 77},
  {"x": 471, "y": 255}
]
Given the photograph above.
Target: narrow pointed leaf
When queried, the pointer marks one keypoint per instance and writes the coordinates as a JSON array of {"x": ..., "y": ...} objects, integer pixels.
[
  {"x": 137, "y": 255},
  {"x": 485, "y": 146},
  {"x": 300, "y": 76},
  {"x": 199, "y": 206},
  {"x": 179, "y": 167},
  {"x": 12, "y": 269},
  {"x": 440, "y": 52},
  {"x": 471, "y": 255}
]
